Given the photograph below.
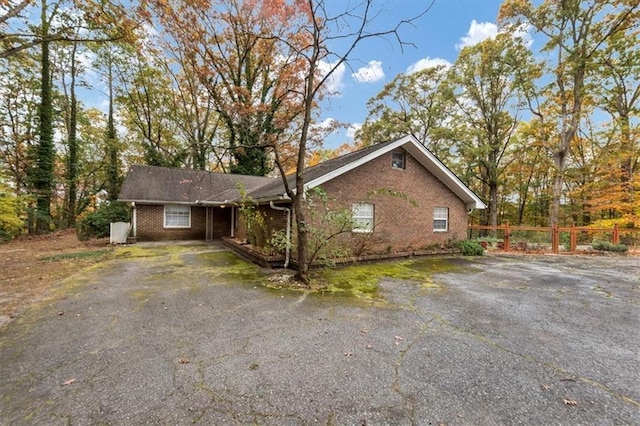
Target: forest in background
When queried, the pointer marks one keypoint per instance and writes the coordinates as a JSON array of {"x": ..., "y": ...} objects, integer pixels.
[{"x": 542, "y": 136}]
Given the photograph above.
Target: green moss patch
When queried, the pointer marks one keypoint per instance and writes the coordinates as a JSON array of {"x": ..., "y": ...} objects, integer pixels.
[
  {"x": 133, "y": 252},
  {"x": 228, "y": 267},
  {"x": 362, "y": 281}
]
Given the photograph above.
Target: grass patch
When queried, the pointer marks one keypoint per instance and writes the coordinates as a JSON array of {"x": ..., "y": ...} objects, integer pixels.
[{"x": 75, "y": 256}]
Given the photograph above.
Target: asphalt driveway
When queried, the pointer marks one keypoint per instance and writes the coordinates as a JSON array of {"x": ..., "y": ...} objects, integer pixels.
[{"x": 184, "y": 335}]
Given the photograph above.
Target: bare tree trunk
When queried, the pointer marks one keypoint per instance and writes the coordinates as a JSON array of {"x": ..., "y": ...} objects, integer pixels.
[
  {"x": 558, "y": 182},
  {"x": 303, "y": 241},
  {"x": 72, "y": 157}
]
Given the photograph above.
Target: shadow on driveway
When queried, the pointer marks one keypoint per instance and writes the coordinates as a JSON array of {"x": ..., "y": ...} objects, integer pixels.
[{"x": 177, "y": 335}]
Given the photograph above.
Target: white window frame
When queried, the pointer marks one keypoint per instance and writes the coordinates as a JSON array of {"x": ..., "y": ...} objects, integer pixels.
[
  {"x": 403, "y": 157},
  {"x": 363, "y": 221},
  {"x": 179, "y": 211},
  {"x": 440, "y": 215}
]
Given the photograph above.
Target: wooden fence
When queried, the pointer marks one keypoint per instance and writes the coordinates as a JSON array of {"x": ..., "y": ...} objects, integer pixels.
[{"x": 554, "y": 231}]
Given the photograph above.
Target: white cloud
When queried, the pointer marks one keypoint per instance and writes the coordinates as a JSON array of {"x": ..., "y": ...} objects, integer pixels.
[
  {"x": 478, "y": 32},
  {"x": 326, "y": 124},
  {"x": 352, "y": 129},
  {"x": 524, "y": 33},
  {"x": 427, "y": 62},
  {"x": 370, "y": 74},
  {"x": 334, "y": 83}
]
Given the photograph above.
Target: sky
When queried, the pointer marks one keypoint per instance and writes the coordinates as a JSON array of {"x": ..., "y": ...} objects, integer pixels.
[{"x": 438, "y": 37}]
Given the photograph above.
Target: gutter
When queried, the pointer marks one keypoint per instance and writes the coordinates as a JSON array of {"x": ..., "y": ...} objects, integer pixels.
[
  {"x": 134, "y": 219},
  {"x": 288, "y": 249},
  {"x": 183, "y": 203}
]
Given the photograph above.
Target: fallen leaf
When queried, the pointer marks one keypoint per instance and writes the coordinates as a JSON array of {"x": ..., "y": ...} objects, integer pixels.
[
  {"x": 369, "y": 346},
  {"x": 364, "y": 331},
  {"x": 184, "y": 361},
  {"x": 348, "y": 354},
  {"x": 398, "y": 339},
  {"x": 68, "y": 382},
  {"x": 570, "y": 402},
  {"x": 545, "y": 387},
  {"x": 61, "y": 313}
]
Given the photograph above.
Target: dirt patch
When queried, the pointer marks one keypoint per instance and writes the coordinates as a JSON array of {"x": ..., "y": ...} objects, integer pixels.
[{"x": 30, "y": 266}]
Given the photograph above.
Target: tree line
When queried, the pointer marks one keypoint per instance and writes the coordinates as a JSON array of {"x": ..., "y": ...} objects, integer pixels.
[{"x": 543, "y": 133}]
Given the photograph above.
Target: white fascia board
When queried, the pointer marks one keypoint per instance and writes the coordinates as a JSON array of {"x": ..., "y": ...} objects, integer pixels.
[
  {"x": 276, "y": 198},
  {"x": 181, "y": 203},
  {"x": 350, "y": 166}
]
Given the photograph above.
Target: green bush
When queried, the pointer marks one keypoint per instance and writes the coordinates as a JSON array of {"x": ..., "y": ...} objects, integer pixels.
[
  {"x": 607, "y": 246},
  {"x": 96, "y": 224},
  {"x": 471, "y": 248}
]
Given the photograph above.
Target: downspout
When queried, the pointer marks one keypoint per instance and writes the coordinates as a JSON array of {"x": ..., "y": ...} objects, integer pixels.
[
  {"x": 233, "y": 222},
  {"x": 288, "y": 249},
  {"x": 134, "y": 221}
]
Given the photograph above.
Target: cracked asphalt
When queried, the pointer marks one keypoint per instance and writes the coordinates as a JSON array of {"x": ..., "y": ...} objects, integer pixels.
[{"x": 164, "y": 339}]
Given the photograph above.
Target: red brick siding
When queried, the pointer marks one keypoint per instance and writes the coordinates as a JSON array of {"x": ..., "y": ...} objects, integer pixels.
[
  {"x": 150, "y": 224},
  {"x": 399, "y": 224}
]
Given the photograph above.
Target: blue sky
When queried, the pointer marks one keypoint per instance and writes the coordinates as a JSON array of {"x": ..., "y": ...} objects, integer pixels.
[{"x": 437, "y": 36}]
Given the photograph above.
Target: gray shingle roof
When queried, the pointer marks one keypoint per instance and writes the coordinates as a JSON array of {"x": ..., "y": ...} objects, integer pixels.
[
  {"x": 166, "y": 184},
  {"x": 276, "y": 188},
  {"x": 169, "y": 185}
]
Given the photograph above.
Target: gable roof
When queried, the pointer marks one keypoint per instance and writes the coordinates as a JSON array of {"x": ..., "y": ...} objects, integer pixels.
[
  {"x": 275, "y": 190},
  {"x": 160, "y": 185},
  {"x": 328, "y": 170}
]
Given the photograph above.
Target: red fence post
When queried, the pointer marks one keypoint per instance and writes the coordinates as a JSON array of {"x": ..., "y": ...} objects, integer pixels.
[
  {"x": 507, "y": 236},
  {"x": 554, "y": 238},
  {"x": 616, "y": 234},
  {"x": 573, "y": 245}
]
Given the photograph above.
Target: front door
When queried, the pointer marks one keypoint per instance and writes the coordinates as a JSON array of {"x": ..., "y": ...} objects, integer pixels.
[{"x": 218, "y": 223}]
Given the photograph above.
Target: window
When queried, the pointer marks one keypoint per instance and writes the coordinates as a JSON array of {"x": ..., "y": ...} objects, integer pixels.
[
  {"x": 397, "y": 160},
  {"x": 440, "y": 219},
  {"x": 362, "y": 217},
  {"x": 176, "y": 216}
]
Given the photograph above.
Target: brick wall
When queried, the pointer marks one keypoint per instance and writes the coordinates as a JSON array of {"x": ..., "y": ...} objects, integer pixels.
[
  {"x": 150, "y": 224},
  {"x": 402, "y": 222}
]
